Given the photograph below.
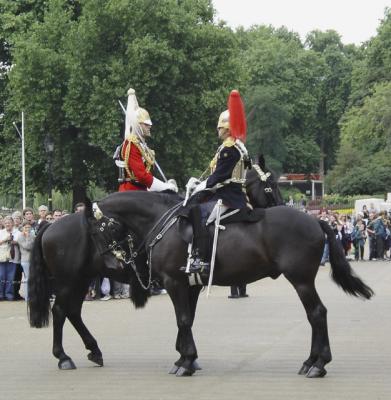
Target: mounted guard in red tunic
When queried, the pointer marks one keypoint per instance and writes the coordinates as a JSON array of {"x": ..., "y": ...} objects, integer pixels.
[{"x": 134, "y": 158}]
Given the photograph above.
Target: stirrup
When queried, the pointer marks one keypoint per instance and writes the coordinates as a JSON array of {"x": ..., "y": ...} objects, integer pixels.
[{"x": 199, "y": 266}]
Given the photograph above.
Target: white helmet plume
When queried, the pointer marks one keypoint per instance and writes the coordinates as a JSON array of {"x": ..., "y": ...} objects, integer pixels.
[{"x": 131, "y": 123}]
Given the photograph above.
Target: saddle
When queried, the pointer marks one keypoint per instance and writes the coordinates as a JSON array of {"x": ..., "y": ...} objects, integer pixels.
[{"x": 245, "y": 215}]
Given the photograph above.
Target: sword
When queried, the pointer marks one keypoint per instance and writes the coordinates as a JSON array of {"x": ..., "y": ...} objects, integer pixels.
[
  {"x": 144, "y": 145},
  {"x": 216, "y": 234}
]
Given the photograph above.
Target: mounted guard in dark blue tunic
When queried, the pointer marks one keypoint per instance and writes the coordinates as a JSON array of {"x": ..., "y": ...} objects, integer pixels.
[{"x": 226, "y": 182}]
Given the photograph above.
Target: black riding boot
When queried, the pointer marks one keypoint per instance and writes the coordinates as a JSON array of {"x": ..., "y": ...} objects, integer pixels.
[{"x": 201, "y": 243}]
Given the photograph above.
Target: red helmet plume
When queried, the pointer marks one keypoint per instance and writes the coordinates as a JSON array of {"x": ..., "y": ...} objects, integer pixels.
[{"x": 237, "y": 116}]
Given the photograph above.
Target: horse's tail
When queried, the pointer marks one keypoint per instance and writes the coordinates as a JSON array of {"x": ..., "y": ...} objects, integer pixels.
[
  {"x": 38, "y": 285},
  {"x": 341, "y": 271}
]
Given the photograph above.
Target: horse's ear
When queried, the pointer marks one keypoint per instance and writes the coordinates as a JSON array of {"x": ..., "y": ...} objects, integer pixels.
[
  {"x": 261, "y": 161},
  {"x": 88, "y": 212}
]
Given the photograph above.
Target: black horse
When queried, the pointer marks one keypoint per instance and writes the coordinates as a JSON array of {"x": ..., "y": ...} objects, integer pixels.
[{"x": 76, "y": 249}]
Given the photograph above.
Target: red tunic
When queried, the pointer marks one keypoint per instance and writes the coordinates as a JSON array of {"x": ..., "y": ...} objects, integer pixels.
[{"x": 137, "y": 167}]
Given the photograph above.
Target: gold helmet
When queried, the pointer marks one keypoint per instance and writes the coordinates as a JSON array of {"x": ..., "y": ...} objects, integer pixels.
[
  {"x": 143, "y": 116},
  {"x": 223, "y": 120}
]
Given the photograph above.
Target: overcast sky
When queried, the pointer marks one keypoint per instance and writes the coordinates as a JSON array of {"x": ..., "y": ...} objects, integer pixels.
[{"x": 355, "y": 20}]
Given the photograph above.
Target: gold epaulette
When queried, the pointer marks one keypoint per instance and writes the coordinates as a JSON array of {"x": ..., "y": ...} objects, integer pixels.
[
  {"x": 229, "y": 142},
  {"x": 134, "y": 139}
]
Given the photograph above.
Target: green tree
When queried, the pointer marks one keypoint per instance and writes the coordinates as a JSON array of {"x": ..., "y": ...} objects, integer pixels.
[
  {"x": 334, "y": 93},
  {"x": 302, "y": 154},
  {"x": 71, "y": 67},
  {"x": 363, "y": 163},
  {"x": 282, "y": 89}
]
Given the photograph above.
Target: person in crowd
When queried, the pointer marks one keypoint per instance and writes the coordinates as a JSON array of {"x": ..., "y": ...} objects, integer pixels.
[
  {"x": 324, "y": 216},
  {"x": 28, "y": 215},
  {"x": 42, "y": 212},
  {"x": 387, "y": 241},
  {"x": 9, "y": 257},
  {"x": 290, "y": 203},
  {"x": 1, "y": 221},
  {"x": 25, "y": 241},
  {"x": 17, "y": 217},
  {"x": 57, "y": 214},
  {"x": 359, "y": 237},
  {"x": 79, "y": 207},
  {"x": 347, "y": 229},
  {"x": 339, "y": 233},
  {"x": 238, "y": 291},
  {"x": 372, "y": 209},
  {"x": 105, "y": 289},
  {"x": 372, "y": 236},
  {"x": 365, "y": 214},
  {"x": 380, "y": 234},
  {"x": 49, "y": 217},
  {"x": 121, "y": 290},
  {"x": 64, "y": 213}
]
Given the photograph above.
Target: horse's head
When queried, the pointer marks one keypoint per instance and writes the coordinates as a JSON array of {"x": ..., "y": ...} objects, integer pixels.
[
  {"x": 262, "y": 186},
  {"x": 121, "y": 224},
  {"x": 110, "y": 236}
]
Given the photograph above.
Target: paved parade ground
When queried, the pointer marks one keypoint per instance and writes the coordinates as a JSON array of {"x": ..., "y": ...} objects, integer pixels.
[{"x": 249, "y": 348}]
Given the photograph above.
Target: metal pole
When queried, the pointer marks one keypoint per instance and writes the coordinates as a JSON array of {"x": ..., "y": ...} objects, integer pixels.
[
  {"x": 23, "y": 167},
  {"x": 50, "y": 199}
]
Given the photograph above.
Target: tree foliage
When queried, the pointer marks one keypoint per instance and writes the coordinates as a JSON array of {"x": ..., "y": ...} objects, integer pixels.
[
  {"x": 311, "y": 106},
  {"x": 363, "y": 162},
  {"x": 71, "y": 68}
]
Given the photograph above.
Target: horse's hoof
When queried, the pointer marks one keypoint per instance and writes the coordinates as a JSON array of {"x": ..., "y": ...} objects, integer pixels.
[
  {"x": 96, "y": 358},
  {"x": 182, "y": 371},
  {"x": 196, "y": 366},
  {"x": 316, "y": 372},
  {"x": 304, "y": 369},
  {"x": 174, "y": 370},
  {"x": 66, "y": 364}
]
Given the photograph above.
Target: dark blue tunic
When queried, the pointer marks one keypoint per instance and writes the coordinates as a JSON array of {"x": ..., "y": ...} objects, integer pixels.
[{"x": 232, "y": 194}]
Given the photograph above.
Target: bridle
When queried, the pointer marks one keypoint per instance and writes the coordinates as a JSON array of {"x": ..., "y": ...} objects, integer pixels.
[
  {"x": 124, "y": 250},
  {"x": 268, "y": 190}
]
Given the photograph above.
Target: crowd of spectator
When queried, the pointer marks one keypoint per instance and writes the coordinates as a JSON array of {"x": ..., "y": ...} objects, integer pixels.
[
  {"x": 367, "y": 229},
  {"x": 17, "y": 233}
]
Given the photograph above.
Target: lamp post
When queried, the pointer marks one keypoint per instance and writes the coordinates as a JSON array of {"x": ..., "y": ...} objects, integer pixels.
[
  {"x": 21, "y": 135},
  {"x": 49, "y": 148}
]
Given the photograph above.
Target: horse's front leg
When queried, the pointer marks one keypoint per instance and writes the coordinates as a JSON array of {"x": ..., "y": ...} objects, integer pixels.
[{"x": 184, "y": 305}]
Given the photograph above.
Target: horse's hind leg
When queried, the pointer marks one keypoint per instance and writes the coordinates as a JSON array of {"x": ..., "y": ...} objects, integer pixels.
[
  {"x": 320, "y": 354},
  {"x": 68, "y": 305},
  {"x": 65, "y": 362},
  {"x": 74, "y": 316}
]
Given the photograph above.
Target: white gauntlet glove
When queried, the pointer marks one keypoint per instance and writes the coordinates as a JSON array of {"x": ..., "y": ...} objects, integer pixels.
[
  {"x": 191, "y": 184},
  {"x": 199, "y": 187},
  {"x": 160, "y": 186}
]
